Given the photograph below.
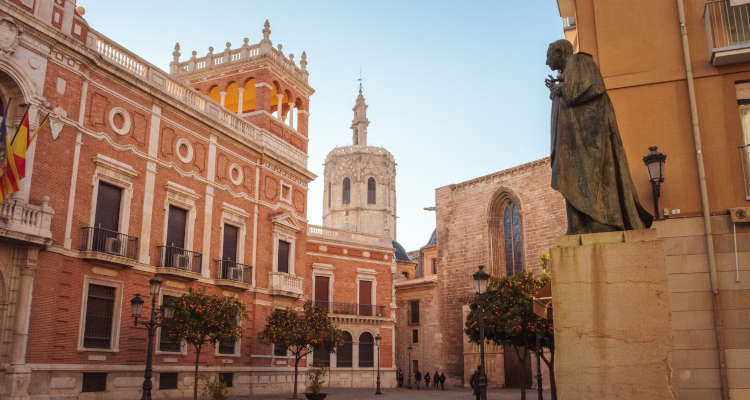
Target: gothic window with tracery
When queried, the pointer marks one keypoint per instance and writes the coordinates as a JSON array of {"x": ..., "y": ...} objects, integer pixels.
[
  {"x": 371, "y": 191},
  {"x": 513, "y": 239},
  {"x": 345, "y": 191}
]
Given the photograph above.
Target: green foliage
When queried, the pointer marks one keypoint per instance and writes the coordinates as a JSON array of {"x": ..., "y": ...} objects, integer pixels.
[
  {"x": 200, "y": 318},
  {"x": 507, "y": 312},
  {"x": 214, "y": 388},
  {"x": 316, "y": 379},
  {"x": 300, "y": 332}
]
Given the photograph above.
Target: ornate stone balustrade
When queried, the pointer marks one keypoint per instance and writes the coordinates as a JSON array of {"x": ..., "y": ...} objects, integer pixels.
[
  {"x": 283, "y": 283},
  {"x": 153, "y": 76},
  {"x": 346, "y": 236},
  {"x": 26, "y": 222}
]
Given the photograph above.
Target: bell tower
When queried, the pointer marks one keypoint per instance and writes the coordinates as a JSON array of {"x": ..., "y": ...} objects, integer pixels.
[{"x": 360, "y": 122}]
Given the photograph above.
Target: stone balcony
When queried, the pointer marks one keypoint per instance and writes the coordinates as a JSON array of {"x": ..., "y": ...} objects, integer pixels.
[
  {"x": 285, "y": 284},
  {"x": 26, "y": 222},
  {"x": 728, "y": 31}
]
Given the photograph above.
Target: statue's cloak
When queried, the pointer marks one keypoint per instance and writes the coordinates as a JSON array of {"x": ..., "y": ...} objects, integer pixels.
[{"x": 589, "y": 167}]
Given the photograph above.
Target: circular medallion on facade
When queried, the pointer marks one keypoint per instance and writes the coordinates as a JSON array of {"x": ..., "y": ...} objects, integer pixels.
[
  {"x": 366, "y": 254},
  {"x": 119, "y": 120},
  {"x": 235, "y": 174},
  {"x": 184, "y": 150}
]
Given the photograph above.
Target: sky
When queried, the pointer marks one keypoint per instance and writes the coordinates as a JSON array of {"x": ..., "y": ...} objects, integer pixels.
[{"x": 455, "y": 89}]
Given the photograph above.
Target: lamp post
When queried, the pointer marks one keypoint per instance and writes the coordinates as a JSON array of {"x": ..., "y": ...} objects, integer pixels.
[
  {"x": 408, "y": 378},
  {"x": 378, "y": 338},
  {"x": 654, "y": 161},
  {"x": 480, "y": 285},
  {"x": 154, "y": 322}
]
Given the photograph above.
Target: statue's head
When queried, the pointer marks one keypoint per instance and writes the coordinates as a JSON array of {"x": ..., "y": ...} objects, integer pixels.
[{"x": 558, "y": 53}]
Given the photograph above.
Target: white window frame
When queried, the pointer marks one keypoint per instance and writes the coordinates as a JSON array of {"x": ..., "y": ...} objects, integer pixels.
[
  {"x": 181, "y": 197},
  {"x": 183, "y": 343},
  {"x": 237, "y": 349},
  {"x": 326, "y": 270},
  {"x": 114, "y": 340},
  {"x": 115, "y": 173},
  {"x": 744, "y": 111},
  {"x": 367, "y": 274}
]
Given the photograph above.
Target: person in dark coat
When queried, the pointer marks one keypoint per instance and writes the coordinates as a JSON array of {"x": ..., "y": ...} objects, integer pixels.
[
  {"x": 435, "y": 380},
  {"x": 417, "y": 378},
  {"x": 442, "y": 381},
  {"x": 427, "y": 380},
  {"x": 474, "y": 383}
]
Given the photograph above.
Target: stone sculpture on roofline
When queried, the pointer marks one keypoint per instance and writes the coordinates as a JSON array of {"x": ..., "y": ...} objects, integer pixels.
[{"x": 589, "y": 167}]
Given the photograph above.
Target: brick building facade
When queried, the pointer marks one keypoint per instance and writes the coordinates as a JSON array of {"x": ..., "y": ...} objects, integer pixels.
[{"x": 142, "y": 173}]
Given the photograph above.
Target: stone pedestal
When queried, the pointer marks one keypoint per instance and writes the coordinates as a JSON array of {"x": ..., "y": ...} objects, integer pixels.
[
  {"x": 15, "y": 383},
  {"x": 612, "y": 321}
]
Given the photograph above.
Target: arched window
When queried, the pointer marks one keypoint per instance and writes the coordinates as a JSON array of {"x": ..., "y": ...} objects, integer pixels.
[
  {"x": 506, "y": 234},
  {"x": 345, "y": 191},
  {"x": 248, "y": 96},
  {"x": 356, "y": 137},
  {"x": 371, "y": 191},
  {"x": 366, "y": 350},
  {"x": 344, "y": 352},
  {"x": 512, "y": 236},
  {"x": 321, "y": 356},
  {"x": 232, "y": 97},
  {"x": 329, "y": 194}
]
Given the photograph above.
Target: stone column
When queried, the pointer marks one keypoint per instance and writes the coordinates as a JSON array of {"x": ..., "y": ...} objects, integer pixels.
[
  {"x": 240, "y": 99},
  {"x": 280, "y": 106},
  {"x": 18, "y": 374},
  {"x": 291, "y": 115},
  {"x": 223, "y": 95},
  {"x": 302, "y": 117}
]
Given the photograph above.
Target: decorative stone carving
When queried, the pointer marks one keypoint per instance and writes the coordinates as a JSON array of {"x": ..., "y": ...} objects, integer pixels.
[
  {"x": 235, "y": 174},
  {"x": 8, "y": 36},
  {"x": 61, "y": 85},
  {"x": 55, "y": 121},
  {"x": 124, "y": 128},
  {"x": 184, "y": 150}
]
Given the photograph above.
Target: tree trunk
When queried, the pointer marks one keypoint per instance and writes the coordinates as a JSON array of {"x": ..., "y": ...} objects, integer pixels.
[
  {"x": 296, "y": 363},
  {"x": 195, "y": 382},
  {"x": 551, "y": 367},
  {"x": 523, "y": 370},
  {"x": 539, "y": 373}
]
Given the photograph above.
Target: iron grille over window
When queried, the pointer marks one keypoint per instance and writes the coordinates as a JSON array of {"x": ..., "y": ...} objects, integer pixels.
[
  {"x": 321, "y": 356},
  {"x": 226, "y": 347},
  {"x": 414, "y": 312},
  {"x": 279, "y": 351},
  {"x": 345, "y": 191},
  {"x": 366, "y": 350},
  {"x": 99, "y": 310},
  {"x": 344, "y": 352},
  {"x": 167, "y": 380},
  {"x": 166, "y": 343},
  {"x": 227, "y": 378},
  {"x": 371, "y": 191}
]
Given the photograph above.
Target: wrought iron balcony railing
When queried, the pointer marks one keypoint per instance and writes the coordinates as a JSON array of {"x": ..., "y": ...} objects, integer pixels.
[
  {"x": 728, "y": 30},
  {"x": 178, "y": 258},
  {"x": 105, "y": 241},
  {"x": 228, "y": 270},
  {"x": 363, "y": 310}
]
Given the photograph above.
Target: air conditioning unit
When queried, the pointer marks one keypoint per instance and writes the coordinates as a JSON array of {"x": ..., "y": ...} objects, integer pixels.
[
  {"x": 113, "y": 245},
  {"x": 236, "y": 274},
  {"x": 181, "y": 261}
]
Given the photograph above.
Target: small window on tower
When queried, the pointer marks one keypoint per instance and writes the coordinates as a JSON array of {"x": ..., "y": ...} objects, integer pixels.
[
  {"x": 371, "y": 191},
  {"x": 356, "y": 136},
  {"x": 345, "y": 191}
]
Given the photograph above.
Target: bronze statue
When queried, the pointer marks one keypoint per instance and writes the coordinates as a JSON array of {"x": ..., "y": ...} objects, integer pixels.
[{"x": 589, "y": 167}]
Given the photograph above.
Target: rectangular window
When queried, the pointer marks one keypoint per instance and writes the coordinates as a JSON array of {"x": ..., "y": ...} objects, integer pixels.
[
  {"x": 283, "y": 256},
  {"x": 414, "y": 312},
  {"x": 174, "y": 253},
  {"x": 279, "y": 351},
  {"x": 415, "y": 366},
  {"x": 94, "y": 382},
  {"x": 415, "y": 336},
  {"x": 229, "y": 247},
  {"x": 226, "y": 347},
  {"x": 226, "y": 378},
  {"x": 434, "y": 266},
  {"x": 99, "y": 312},
  {"x": 745, "y": 148},
  {"x": 167, "y": 380},
  {"x": 365, "y": 298},
  {"x": 166, "y": 343},
  {"x": 107, "y": 219},
  {"x": 321, "y": 291},
  {"x": 406, "y": 274}
]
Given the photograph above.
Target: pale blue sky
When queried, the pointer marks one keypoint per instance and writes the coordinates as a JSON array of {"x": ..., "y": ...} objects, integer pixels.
[{"x": 455, "y": 88}]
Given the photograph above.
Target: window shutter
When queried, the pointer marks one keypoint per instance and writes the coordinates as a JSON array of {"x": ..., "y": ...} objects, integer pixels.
[
  {"x": 365, "y": 298},
  {"x": 99, "y": 311},
  {"x": 108, "y": 207},
  {"x": 283, "y": 262}
]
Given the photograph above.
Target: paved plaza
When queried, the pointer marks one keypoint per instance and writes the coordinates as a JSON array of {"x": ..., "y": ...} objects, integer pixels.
[{"x": 448, "y": 394}]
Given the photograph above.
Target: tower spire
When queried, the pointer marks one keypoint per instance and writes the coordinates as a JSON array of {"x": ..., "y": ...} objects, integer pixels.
[
  {"x": 360, "y": 80},
  {"x": 360, "y": 122}
]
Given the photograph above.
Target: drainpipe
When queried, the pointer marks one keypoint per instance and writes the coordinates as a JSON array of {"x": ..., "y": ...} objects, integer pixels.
[{"x": 704, "y": 202}]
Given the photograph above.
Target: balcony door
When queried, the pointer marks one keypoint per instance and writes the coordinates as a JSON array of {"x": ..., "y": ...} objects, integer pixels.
[
  {"x": 107, "y": 219},
  {"x": 229, "y": 250},
  {"x": 175, "y": 245},
  {"x": 365, "y": 298},
  {"x": 321, "y": 291}
]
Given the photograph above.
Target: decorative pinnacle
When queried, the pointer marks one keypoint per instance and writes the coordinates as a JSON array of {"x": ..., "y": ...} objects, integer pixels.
[
  {"x": 229, "y": 45},
  {"x": 176, "y": 53},
  {"x": 245, "y": 41},
  {"x": 195, "y": 53},
  {"x": 291, "y": 57},
  {"x": 303, "y": 61},
  {"x": 266, "y": 31},
  {"x": 360, "y": 80},
  {"x": 279, "y": 47},
  {"x": 210, "y": 49}
]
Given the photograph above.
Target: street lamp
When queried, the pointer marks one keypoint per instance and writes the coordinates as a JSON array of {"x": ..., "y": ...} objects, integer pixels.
[
  {"x": 377, "y": 343},
  {"x": 408, "y": 377},
  {"x": 654, "y": 161},
  {"x": 480, "y": 285},
  {"x": 167, "y": 312}
]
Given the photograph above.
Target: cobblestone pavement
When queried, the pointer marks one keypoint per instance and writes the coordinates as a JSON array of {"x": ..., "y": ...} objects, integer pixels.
[{"x": 448, "y": 394}]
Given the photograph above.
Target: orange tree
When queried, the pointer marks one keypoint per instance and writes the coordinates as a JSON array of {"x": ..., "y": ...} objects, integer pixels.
[
  {"x": 507, "y": 312},
  {"x": 200, "y": 319},
  {"x": 299, "y": 333}
]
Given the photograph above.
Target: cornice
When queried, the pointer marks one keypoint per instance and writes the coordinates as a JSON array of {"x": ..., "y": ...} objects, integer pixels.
[{"x": 495, "y": 175}]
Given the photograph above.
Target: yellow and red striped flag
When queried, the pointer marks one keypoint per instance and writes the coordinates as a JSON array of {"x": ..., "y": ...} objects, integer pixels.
[{"x": 15, "y": 166}]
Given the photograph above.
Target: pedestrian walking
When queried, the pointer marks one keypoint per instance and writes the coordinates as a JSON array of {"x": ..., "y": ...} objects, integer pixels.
[
  {"x": 474, "y": 382},
  {"x": 442, "y": 381},
  {"x": 417, "y": 378},
  {"x": 435, "y": 380},
  {"x": 427, "y": 380}
]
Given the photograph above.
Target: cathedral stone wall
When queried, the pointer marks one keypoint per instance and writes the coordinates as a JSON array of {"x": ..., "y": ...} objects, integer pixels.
[{"x": 463, "y": 217}]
